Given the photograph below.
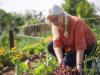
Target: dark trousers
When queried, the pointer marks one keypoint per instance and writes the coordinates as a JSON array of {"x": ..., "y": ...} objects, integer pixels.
[{"x": 70, "y": 57}]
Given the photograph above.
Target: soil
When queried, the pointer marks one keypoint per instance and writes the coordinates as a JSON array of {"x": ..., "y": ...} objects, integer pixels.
[{"x": 65, "y": 70}]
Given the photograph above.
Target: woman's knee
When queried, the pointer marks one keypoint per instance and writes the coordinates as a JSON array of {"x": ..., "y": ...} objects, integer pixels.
[{"x": 50, "y": 47}]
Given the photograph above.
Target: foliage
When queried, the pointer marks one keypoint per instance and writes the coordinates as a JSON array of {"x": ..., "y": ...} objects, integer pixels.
[
  {"x": 46, "y": 66},
  {"x": 18, "y": 19},
  {"x": 32, "y": 21},
  {"x": 96, "y": 31},
  {"x": 9, "y": 20},
  {"x": 2, "y": 14},
  {"x": 81, "y": 8},
  {"x": 85, "y": 9},
  {"x": 13, "y": 20},
  {"x": 32, "y": 17},
  {"x": 22, "y": 68}
]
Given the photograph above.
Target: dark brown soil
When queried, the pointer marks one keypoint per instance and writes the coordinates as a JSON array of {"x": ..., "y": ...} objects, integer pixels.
[{"x": 65, "y": 70}]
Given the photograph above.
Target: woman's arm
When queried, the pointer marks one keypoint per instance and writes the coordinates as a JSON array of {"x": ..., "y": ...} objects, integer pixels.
[
  {"x": 79, "y": 57},
  {"x": 79, "y": 60},
  {"x": 57, "y": 49},
  {"x": 80, "y": 43},
  {"x": 59, "y": 54}
]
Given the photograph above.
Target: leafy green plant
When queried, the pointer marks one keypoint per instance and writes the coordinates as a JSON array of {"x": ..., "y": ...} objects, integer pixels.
[
  {"x": 46, "y": 67},
  {"x": 22, "y": 68}
]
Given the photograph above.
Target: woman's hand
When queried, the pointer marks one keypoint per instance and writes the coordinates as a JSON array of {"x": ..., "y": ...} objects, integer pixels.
[
  {"x": 59, "y": 54},
  {"x": 79, "y": 60},
  {"x": 60, "y": 61},
  {"x": 79, "y": 68}
]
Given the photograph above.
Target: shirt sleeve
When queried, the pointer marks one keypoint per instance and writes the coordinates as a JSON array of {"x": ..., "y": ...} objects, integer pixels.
[
  {"x": 80, "y": 35},
  {"x": 57, "y": 42}
]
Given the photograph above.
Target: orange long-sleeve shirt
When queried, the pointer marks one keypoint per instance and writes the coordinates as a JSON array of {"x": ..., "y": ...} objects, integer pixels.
[{"x": 79, "y": 35}]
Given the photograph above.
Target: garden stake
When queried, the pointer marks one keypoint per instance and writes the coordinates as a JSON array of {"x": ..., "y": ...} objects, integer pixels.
[{"x": 11, "y": 38}]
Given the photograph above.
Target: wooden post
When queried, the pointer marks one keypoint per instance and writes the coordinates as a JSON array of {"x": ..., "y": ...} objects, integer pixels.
[{"x": 11, "y": 38}]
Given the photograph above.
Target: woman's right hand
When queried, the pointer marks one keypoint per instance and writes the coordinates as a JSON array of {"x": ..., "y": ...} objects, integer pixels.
[{"x": 61, "y": 63}]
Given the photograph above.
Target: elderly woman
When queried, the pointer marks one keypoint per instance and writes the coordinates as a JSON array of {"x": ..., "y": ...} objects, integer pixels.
[{"x": 72, "y": 38}]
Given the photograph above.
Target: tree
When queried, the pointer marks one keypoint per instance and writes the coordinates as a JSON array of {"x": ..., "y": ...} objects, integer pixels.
[
  {"x": 2, "y": 19},
  {"x": 81, "y": 8},
  {"x": 33, "y": 17},
  {"x": 9, "y": 20},
  {"x": 18, "y": 19},
  {"x": 85, "y": 9},
  {"x": 70, "y": 6},
  {"x": 2, "y": 12}
]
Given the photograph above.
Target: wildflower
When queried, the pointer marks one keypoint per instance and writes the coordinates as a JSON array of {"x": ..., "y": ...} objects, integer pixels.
[
  {"x": 18, "y": 55},
  {"x": 98, "y": 42},
  {"x": 21, "y": 54},
  {"x": 27, "y": 47},
  {"x": 1, "y": 51},
  {"x": 13, "y": 49},
  {"x": 47, "y": 39},
  {"x": 36, "y": 44}
]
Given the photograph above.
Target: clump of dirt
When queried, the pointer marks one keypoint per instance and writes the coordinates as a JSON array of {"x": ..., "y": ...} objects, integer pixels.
[{"x": 65, "y": 70}]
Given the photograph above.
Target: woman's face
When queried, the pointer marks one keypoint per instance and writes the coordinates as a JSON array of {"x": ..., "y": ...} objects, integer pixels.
[{"x": 57, "y": 20}]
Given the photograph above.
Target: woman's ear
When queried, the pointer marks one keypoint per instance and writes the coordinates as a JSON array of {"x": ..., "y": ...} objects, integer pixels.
[{"x": 47, "y": 19}]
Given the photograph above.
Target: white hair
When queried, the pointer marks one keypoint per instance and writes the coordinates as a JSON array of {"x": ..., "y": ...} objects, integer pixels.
[{"x": 56, "y": 10}]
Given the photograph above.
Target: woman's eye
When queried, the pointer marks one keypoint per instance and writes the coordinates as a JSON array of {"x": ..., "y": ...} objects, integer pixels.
[{"x": 54, "y": 19}]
